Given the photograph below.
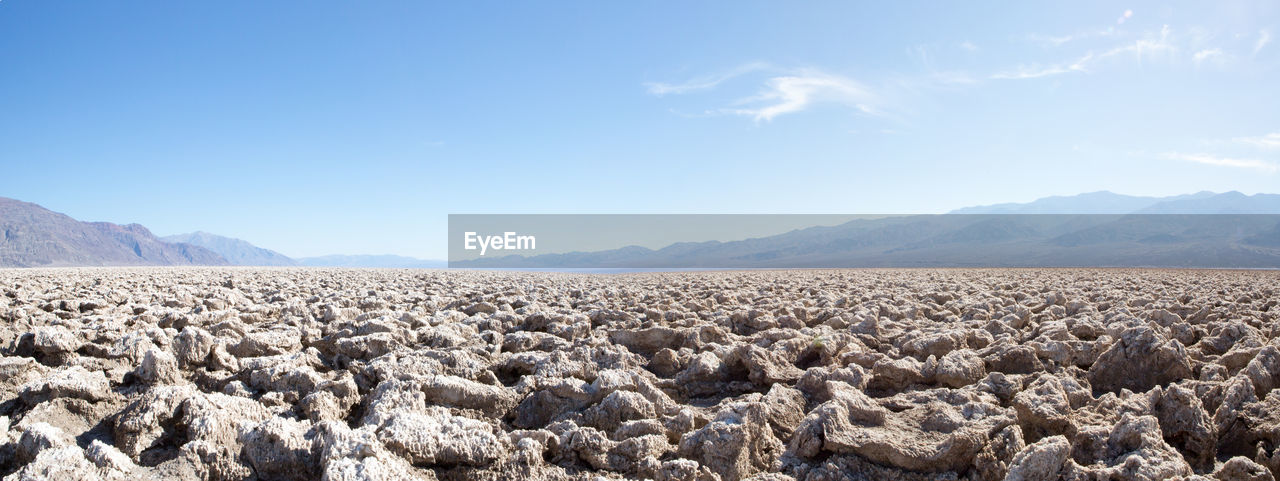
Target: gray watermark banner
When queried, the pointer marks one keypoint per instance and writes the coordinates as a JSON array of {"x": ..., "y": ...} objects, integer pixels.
[{"x": 731, "y": 241}]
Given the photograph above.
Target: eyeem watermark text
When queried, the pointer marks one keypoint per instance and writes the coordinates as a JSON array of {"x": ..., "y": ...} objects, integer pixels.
[{"x": 506, "y": 241}]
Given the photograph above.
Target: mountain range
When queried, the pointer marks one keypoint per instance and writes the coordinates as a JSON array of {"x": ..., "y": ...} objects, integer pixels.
[
  {"x": 235, "y": 251},
  {"x": 1097, "y": 228},
  {"x": 241, "y": 253},
  {"x": 962, "y": 240},
  {"x": 1104, "y": 202},
  {"x": 31, "y": 236},
  {"x": 389, "y": 261},
  {"x": 1092, "y": 229}
]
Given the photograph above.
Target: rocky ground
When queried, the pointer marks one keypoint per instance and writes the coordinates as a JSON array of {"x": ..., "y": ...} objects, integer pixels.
[{"x": 299, "y": 374}]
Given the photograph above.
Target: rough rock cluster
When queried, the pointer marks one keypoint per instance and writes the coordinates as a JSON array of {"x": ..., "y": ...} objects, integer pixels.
[{"x": 299, "y": 374}]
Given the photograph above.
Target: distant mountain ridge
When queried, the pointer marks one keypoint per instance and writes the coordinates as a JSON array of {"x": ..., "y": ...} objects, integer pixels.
[
  {"x": 976, "y": 240},
  {"x": 1225, "y": 203},
  {"x": 1104, "y": 202},
  {"x": 1092, "y": 229},
  {"x": 387, "y": 261},
  {"x": 1098, "y": 228},
  {"x": 235, "y": 251},
  {"x": 32, "y": 236},
  {"x": 242, "y": 253}
]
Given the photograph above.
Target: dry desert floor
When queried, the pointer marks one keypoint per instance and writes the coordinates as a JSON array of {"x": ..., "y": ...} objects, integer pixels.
[{"x": 302, "y": 374}]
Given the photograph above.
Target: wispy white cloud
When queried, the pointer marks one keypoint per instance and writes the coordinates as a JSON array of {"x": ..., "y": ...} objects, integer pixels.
[
  {"x": 1269, "y": 141},
  {"x": 1207, "y": 54},
  {"x": 1210, "y": 159},
  {"x": 1145, "y": 47},
  {"x": 950, "y": 77},
  {"x": 1148, "y": 47},
  {"x": 795, "y": 93},
  {"x": 1264, "y": 38},
  {"x": 1060, "y": 40},
  {"x": 1053, "y": 41},
  {"x": 783, "y": 91},
  {"x": 933, "y": 75},
  {"x": 706, "y": 82},
  {"x": 921, "y": 55},
  {"x": 1124, "y": 16},
  {"x": 1036, "y": 71},
  {"x": 1199, "y": 37}
]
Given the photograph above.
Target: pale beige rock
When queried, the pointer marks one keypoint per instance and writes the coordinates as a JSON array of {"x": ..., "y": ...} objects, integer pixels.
[
  {"x": 58, "y": 463},
  {"x": 279, "y": 448},
  {"x": 992, "y": 463},
  {"x": 1043, "y": 409},
  {"x": 960, "y": 368},
  {"x": 158, "y": 367},
  {"x": 458, "y": 392},
  {"x": 1242, "y": 469},
  {"x": 435, "y": 436},
  {"x": 357, "y": 455},
  {"x": 943, "y": 433},
  {"x": 896, "y": 374},
  {"x": 193, "y": 345},
  {"x": 1043, "y": 460},
  {"x": 54, "y": 340},
  {"x": 75, "y": 381},
  {"x": 1140, "y": 359},
  {"x": 1185, "y": 424},
  {"x": 736, "y": 443}
]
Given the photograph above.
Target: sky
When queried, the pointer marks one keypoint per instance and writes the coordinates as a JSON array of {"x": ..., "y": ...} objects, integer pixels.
[{"x": 324, "y": 127}]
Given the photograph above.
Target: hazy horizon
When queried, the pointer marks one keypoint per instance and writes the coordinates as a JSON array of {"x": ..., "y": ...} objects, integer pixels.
[
  {"x": 656, "y": 231},
  {"x": 328, "y": 128}
]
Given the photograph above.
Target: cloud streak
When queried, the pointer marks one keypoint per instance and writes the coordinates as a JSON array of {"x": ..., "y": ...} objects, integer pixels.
[
  {"x": 1269, "y": 141},
  {"x": 1141, "y": 49},
  {"x": 1145, "y": 47},
  {"x": 783, "y": 92},
  {"x": 1060, "y": 40},
  {"x": 1207, "y": 54},
  {"x": 1209, "y": 159},
  {"x": 1037, "y": 71},
  {"x": 704, "y": 83},
  {"x": 794, "y": 93}
]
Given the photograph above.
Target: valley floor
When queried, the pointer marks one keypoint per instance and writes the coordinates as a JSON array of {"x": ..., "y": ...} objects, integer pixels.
[{"x": 345, "y": 374}]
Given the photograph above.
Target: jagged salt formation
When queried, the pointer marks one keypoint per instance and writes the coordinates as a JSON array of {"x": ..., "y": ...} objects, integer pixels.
[{"x": 299, "y": 374}]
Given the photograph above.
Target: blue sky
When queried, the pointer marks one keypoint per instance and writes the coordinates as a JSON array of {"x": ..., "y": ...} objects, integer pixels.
[{"x": 324, "y": 127}]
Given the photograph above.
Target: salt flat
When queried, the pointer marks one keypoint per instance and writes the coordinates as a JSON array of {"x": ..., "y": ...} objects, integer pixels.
[{"x": 298, "y": 374}]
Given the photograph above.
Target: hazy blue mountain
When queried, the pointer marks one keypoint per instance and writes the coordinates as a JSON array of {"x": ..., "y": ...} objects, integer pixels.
[
  {"x": 1101, "y": 202},
  {"x": 32, "y": 236},
  {"x": 235, "y": 251},
  {"x": 371, "y": 261},
  {"x": 1226, "y": 203},
  {"x": 1094, "y": 229},
  {"x": 993, "y": 240}
]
